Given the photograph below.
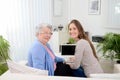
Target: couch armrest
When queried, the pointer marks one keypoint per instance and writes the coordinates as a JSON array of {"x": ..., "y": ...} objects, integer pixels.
[{"x": 105, "y": 75}]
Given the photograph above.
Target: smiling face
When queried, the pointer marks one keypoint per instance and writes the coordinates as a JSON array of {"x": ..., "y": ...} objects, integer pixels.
[
  {"x": 73, "y": 31},
  {"x": 45, "y": 35}
]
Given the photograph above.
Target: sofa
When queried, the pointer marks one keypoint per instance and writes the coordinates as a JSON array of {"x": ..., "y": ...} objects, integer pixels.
[{"x": 19, "y": 70}]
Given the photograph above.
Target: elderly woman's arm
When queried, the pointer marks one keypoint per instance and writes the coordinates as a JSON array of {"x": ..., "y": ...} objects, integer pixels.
[
  {"x": 38, "y": 58},
  {"x": 58, "y": 59}
]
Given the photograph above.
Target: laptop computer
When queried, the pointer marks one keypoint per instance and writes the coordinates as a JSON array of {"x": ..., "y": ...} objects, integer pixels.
[{"x": 67, "y": 51}]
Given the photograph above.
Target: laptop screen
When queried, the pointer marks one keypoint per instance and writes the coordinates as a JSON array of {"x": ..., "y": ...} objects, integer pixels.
[{"x": 68, "y": 49}]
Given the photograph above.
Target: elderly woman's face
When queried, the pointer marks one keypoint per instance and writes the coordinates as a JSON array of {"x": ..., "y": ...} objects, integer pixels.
[{"x": 45, "y": 35}]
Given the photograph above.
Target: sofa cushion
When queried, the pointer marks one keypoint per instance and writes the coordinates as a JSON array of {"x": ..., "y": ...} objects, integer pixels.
[{"x": 15, "y": 67}]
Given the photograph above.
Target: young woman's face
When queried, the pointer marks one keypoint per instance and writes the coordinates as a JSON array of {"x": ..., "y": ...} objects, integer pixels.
[{"x": 73, "y": 31}]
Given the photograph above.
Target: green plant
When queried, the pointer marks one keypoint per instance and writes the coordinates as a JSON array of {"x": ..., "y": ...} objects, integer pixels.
[
  {"x": 110, "y": 46},
  {"x": 71, "y": 41},
  {"x": 4, "y": 54}
]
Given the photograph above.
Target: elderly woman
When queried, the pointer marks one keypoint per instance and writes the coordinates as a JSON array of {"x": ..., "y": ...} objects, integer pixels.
[{"x": 40, "y": 54}]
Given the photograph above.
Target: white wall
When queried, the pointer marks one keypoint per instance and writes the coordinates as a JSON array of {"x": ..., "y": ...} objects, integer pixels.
[
  {"x": 59, "y": 37},
  {"x": 95, "y": 24},
  {"x": 91, "y": 23},
  {"x": 63, "y": 18},
  {"x": 78, "y": 9}
]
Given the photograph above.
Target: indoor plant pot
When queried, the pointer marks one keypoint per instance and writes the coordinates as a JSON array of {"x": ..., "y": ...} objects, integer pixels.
[
  {"x": 110, "y": 46},
  {"x": 4, "y": 54},
  {"x": 71, "y": 41}
]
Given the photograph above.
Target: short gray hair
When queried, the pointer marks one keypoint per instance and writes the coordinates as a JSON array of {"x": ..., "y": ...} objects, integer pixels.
[{"x": 39, "y": 27}]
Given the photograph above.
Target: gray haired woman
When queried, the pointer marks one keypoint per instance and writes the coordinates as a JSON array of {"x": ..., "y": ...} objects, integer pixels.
[{"x": 40, "y": 54}]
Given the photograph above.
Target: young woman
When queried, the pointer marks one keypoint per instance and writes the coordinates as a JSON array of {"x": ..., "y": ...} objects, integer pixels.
[{"x": 85, "y": 54}]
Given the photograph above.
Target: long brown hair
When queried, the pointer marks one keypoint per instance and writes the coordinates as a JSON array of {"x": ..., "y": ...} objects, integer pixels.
[{"x": 82, "y": 34}]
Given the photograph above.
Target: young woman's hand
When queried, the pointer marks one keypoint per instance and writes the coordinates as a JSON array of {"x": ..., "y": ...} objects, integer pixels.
[{"x": 72, "y": 59}]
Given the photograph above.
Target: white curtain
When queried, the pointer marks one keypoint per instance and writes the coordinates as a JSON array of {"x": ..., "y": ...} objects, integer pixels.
[{"x": 22, "y": 17}]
